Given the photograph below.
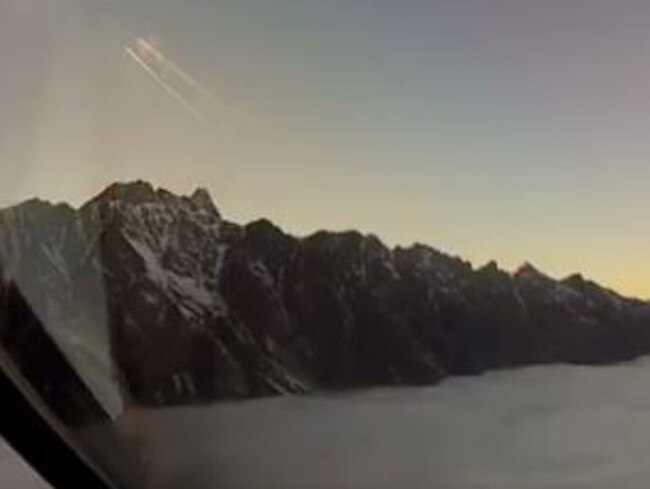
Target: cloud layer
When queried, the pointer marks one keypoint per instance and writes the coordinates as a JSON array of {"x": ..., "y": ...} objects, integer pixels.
[{"x": 540, "y": 428}]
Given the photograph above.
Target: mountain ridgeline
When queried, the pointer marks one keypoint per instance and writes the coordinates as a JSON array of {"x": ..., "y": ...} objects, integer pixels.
[{"x": 159, "y": 296}]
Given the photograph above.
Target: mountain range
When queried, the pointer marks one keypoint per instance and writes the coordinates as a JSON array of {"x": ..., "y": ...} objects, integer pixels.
[{"x": 156, "y": 299}]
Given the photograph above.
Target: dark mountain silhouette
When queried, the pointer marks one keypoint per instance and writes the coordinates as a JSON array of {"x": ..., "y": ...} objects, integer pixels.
[{"x": 160, "y": 295}]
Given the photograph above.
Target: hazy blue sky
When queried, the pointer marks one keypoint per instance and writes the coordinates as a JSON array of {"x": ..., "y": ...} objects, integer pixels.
[{"x": 506, "y": 129}]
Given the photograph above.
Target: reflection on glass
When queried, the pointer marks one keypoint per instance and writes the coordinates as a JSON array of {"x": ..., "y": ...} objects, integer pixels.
[
  {"x": 189, "y": 288},
  {"x": 15, "y": 473}
]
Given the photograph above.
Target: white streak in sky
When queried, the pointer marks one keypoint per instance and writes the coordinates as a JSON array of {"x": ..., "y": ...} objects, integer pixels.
[
  {"x": 159, "y": 80},
  {"x": 181, "y": 73}
]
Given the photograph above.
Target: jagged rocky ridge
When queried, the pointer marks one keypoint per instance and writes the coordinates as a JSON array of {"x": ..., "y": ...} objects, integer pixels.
[{"x": 178, "y": 305}]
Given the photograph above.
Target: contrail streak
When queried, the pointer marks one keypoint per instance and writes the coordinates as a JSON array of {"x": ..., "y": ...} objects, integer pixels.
[
  {"x": 180, "y": 72},
  {"x": 170, "y": 90}
]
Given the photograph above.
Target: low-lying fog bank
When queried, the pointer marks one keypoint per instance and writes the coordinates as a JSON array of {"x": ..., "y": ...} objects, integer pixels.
[{"x": 537, "y": 427}]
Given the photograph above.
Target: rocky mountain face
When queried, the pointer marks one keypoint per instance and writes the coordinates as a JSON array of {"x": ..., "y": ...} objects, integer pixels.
[{"x": 157, "y": 297}]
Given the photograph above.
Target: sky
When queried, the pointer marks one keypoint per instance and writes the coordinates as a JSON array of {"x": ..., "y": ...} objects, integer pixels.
[{"x": 514, "y": 130}]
